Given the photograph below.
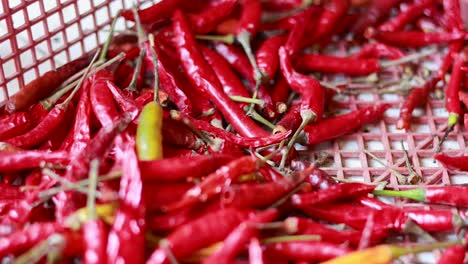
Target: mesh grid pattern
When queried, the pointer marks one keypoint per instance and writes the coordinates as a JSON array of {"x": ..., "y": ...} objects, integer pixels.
[{"x": 36, "y": 36}]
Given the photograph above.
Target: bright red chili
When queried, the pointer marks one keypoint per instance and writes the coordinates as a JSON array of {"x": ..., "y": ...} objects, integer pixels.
[
  {"x": 334, "y": 127},
  {"x": 453, "y": 163},
  {"x": 267, "y": 55},
  {"x": 14, "y": 124},
  {"x": 332, "y": 64},
  {"x": 453, "y": 254},
  {"x": 376, "y": 50},
  {"x": 412, "y": 12},
  {"x": 208, "y": 19},
  {"x": 377, "y": 11},
  {"x": 415, "y": 39},
  {"x": 332, "y": 11},
  {"x": 203, "y": 78},
  {"x": 452, "y": 99},
  {"x": 315, "y": 251}
]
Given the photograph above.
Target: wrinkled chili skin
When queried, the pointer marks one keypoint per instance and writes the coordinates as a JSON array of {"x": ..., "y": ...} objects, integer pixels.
[
  {"x": 30, "y": 159},
  {"x": 316, "y": 251},
  {"x": 332, "y": 194},
  {"x": 95, "y": 241}
]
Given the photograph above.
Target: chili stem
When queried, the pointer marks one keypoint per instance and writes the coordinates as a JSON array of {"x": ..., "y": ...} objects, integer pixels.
[
  {"x": 295, "y": 238},
  {"x": 257, "y": 117},
  {"x": 64, "y": 182},
  {"x": 91, "y": 199},
  {"x": 156, "y": 67},
  {"x": 452, "y": 120},
  {"x": 414, "y": 194},
  {"x": 228, "y": 39},
  {"x": 139, "y": 62},
  {"x": 56, "y": 241},
  {"x": 105, "y": 47},
  {"x": 406, "y": 59},
  {"x": 242, "y": 99},
  {"x": 413, "y": 174},
  {"x": 400, "y": 177},
  {"x": 65, "y": 89},
  {"x": 307, "y": 117}
]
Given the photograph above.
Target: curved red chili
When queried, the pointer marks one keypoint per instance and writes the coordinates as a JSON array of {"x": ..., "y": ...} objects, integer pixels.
[
  {"x": 412, "y": 12},
  {"x": 203, "y": 78},
  {"x": 101, "y": 98},
  {"x": 453, "y": 254},
  {"x": 372, "y": 15},
  {"x": 375, "y": 50},
  {"x": 332, "y": 11},
  {"x": 197, "y": 234},
  {"x": 316, "y": 251},
  {"x": 334, "y": 127},
  {"x": 453, "y": 163},
  {"x": 208, "y": 19},
  {"x": 14, "y": 124},
  {"x": 267, "y": 55},
  {"x": 159, "y": 11}
]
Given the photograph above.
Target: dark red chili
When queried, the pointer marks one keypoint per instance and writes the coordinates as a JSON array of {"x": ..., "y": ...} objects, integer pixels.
[
  {"x": 179, "y": 135},
  {"x": 318, "y": 178},
  {"x": 157, "y": 195},
  {"x": 332, "y": 11},
  {"x": 203, "y": 78},
  {"x": 454, "y": 254},
  {"x": 235, "y": 242},
  {"x": 43, "y": 86},
  {"x": 312, "y": 93},
  {"x": 282, "y": 5},
  {"x": 245, "y": 196},
  {"x": 181, "y": 168},
  {"x": 453, "y": 163},
  {"x": 129, "y": 224},
  {"x": 231, "y": 84},
  {"x": 332, "y": 64},
  {"x": 14, "y": 124},
  {"x": 334, "y": 127},
  {"x": 412, "y": 12},
  {"x": 377, "y": 11},
  {"x": 208, "y": 19},
  {"x": 267, "y": 55},
  {"x": 332, "y": 194},
  {"x": 197, "y": 234},
  {"x": 376, "y": 50},
  {"x": 159, "y": 11},
  {"x": 417, "y": 97},
  {"x": 253, "y": 142},
  {"x": 101, "y": 98},
  {"x": 216, "y": 182},
  {"x": 415, "y": 39}
]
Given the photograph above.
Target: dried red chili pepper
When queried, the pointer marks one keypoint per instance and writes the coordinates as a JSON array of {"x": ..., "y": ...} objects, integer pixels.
[
  {"x": 181, "y": 168},
  {"x": 332, "y": 11},
  {"x": 231, "y": 84},
  {"x": 334, "y": 127},
  {"x": 377, "y": 11},
  {"x": 234, "y": 243},
  {"x": 245, "y": 196},
  {"x": 412, "y": 12},
  {"x": 318, "y": 178},
  {"x": 208, "y": 19},
  {"x": 43, "y": 86},
  {"x": 157, "y": 195},
  {"x": 375, "y": 50},
  {"x": 159, "y": 11},
  {"x": 300, "y": 225},
  {"x": 95, "y": 240},
  {"x": 179, "y": 135},
  {"x": 312, "y": 93},
  {"x": 332, "y": 64},
  {"x": 415, "y": 39},
  {"x": 283, "y": 5},
  {"x": 101, "y": 98},
  {"x": 241, "y": 64},
  {"x": 30, "y": 159},
  {"x": 267, "y": 55},
  {"x": 332, "y": 194},
  {"x": 126, "y": 104},
  {"x": 197, "y": 234},
  {"x": 316, "y": 251},
  {"x": 454, "y": 254},
  {"x": 453, "y": 163},
  {"x": 279, "y": 94},
  {"x": 417, "y": 97},
  {"x": 451, "y": 195},
  {"x": 14, "y": 124},
  {"x": 216, "y": 182},
  {"x": 202, "y": 77},
  {"x": 129, "y": 224},
  {"x": 253, "y": 142}
]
